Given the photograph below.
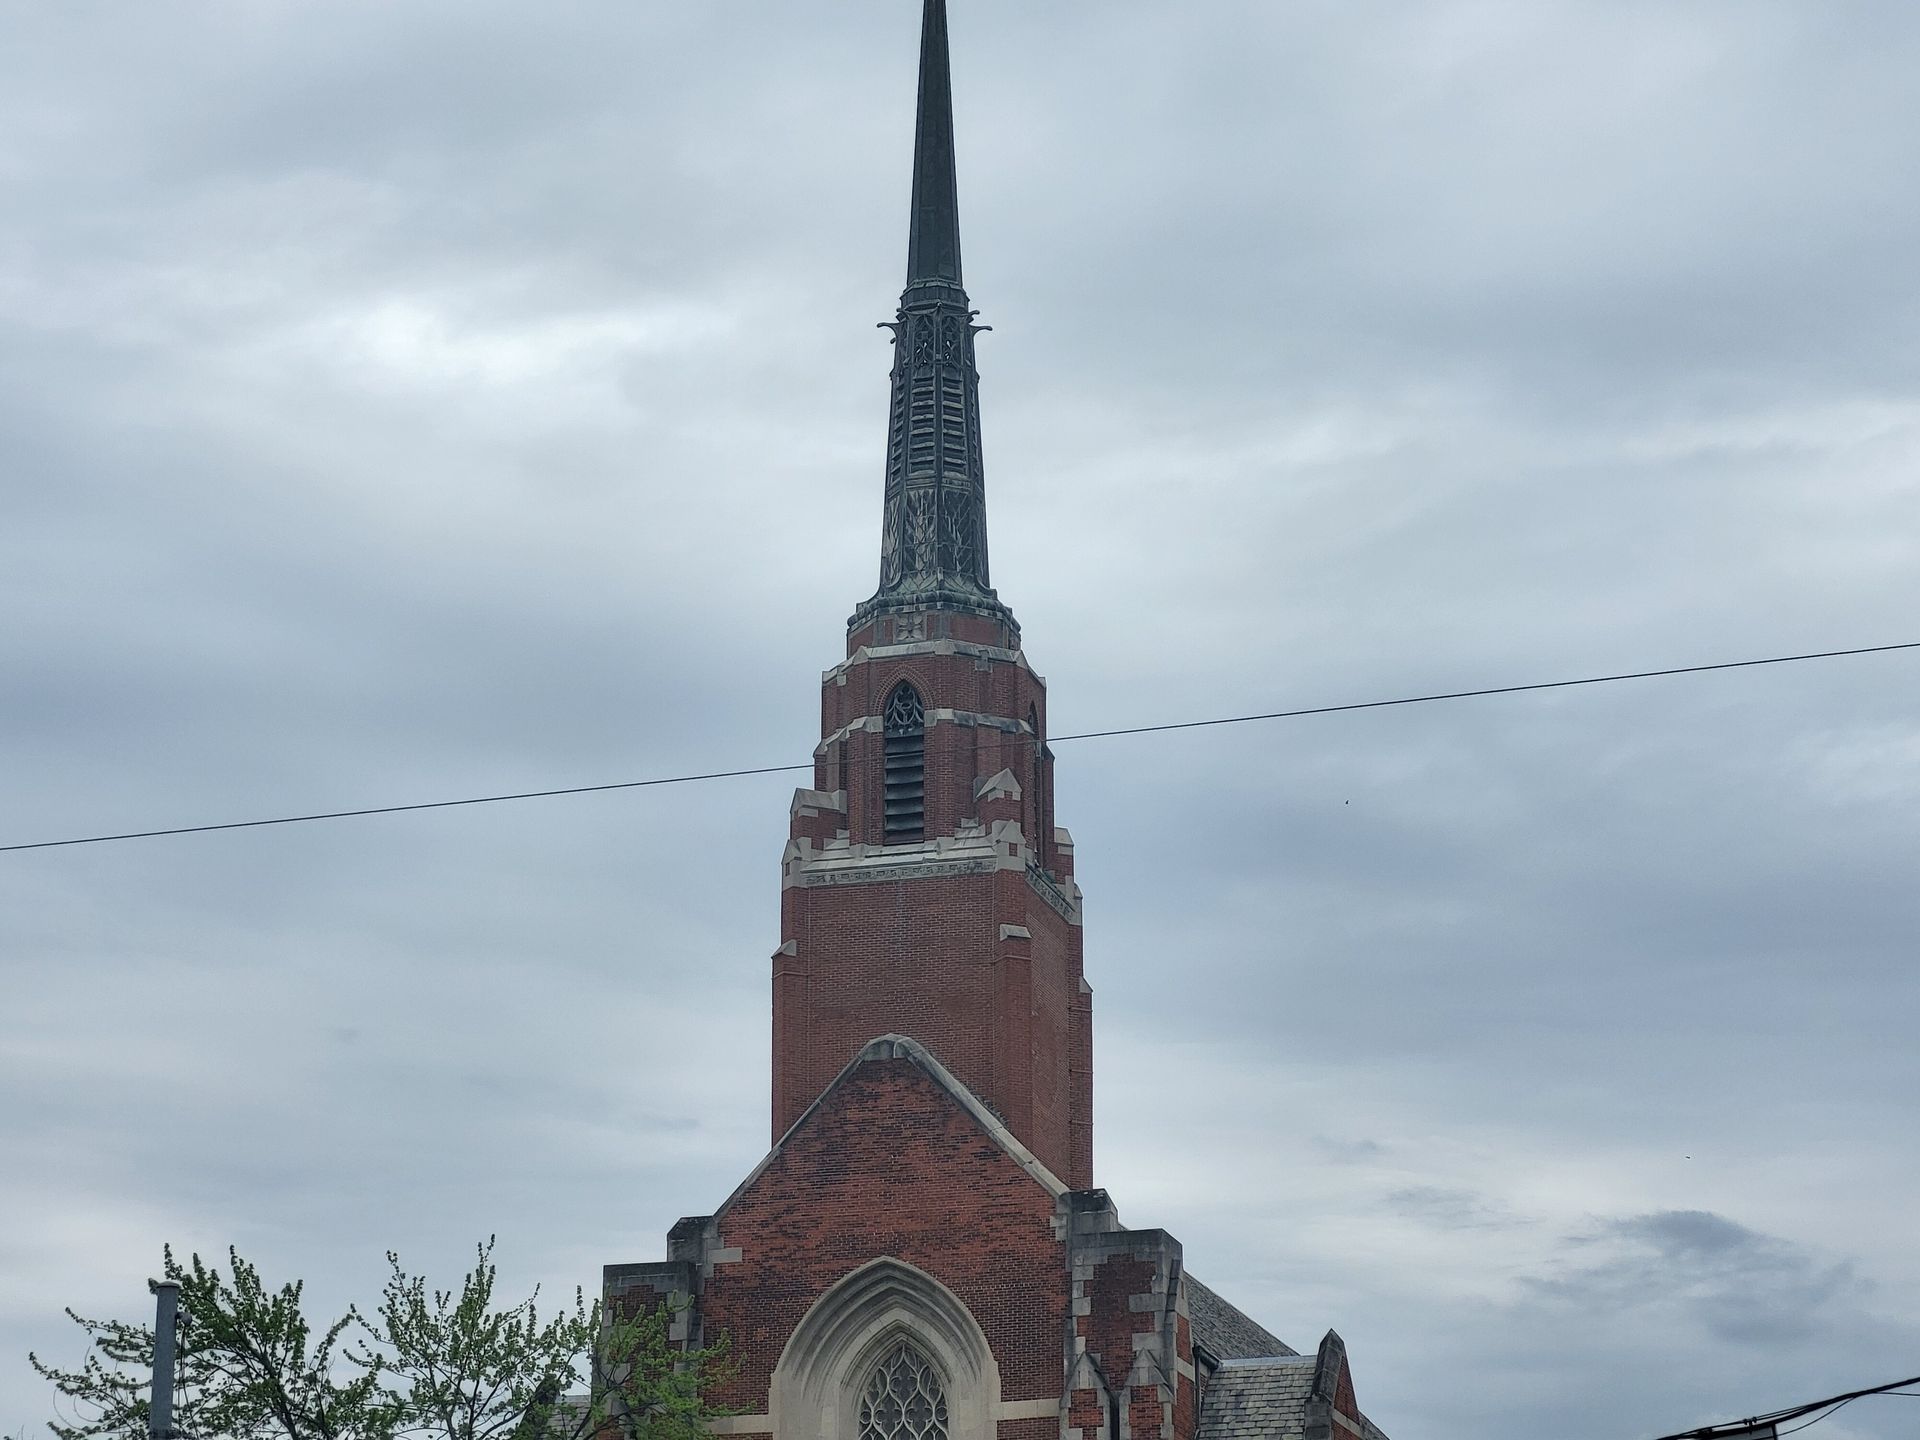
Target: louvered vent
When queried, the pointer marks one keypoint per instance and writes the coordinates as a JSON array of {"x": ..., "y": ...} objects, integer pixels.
[{"x": 906, "y": 762}]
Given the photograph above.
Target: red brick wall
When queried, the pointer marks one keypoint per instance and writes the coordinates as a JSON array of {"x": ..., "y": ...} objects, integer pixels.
[
  {"x": 1343, "y": 1400},
  {"x": 1146, "y": 1414},
  {"x": 957, "y": 755},
  {"x": 910, "y": 958},
  {"x": 892, "y": 1165},
  {"x": 1113, "y": 1324},
  {"x": 1087, "y": 1413},
  {"x": 1055, "y": 975},
  {"x": 925, "y": 957}
]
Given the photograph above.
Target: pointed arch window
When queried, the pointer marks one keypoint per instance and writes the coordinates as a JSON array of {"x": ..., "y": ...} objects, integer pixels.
[
  {"x": 889, "y": 1353},
  {"x": 904, "y": 1398},
  {"x": 906, "y": 766}
]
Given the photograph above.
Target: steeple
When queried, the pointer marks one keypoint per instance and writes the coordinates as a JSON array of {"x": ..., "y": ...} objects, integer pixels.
[
  {"x": 925, "y": 889},
  {"x": 933, "y": 543},
  {"x": 933, "y": 247}
]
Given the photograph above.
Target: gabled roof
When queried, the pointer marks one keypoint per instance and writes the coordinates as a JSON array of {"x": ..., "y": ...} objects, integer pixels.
[
  {"x": 1226, "y": 1333},
  {"x": 1273, "y": 1397},
  {"x": 1264, "y": 1399},
  {"x": 903, "y": 1047}
]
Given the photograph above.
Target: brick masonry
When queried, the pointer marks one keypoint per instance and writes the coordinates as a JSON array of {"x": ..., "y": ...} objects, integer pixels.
[
  {"x": 957, "y": 1147},
  {"x": 969, "y": 940},
  {"x": 898, "y": 1160},
  {"x": 931, "y": 1177}
]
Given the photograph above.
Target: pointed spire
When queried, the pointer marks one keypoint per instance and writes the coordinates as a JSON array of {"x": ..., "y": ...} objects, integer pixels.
[
  {"x": 933, "y": 540},
  {"x": 933, "y": 250}
]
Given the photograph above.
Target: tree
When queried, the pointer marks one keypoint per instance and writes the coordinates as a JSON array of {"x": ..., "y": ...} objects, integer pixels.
[{"x": 427, "y": 1365}]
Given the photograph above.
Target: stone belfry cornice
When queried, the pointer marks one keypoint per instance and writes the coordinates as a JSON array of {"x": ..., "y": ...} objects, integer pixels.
[{"x": 933, "y": 544}]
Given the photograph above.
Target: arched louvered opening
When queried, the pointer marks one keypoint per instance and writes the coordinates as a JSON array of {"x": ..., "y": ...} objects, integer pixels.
[
  {"x": 904, "y": 1398},
  {"x": 906, "y": 766}
]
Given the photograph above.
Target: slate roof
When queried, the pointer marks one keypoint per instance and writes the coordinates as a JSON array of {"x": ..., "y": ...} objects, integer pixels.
[
  {"x": 1224, "y": 1332},
  {"x": 1264, "y": 1399}
]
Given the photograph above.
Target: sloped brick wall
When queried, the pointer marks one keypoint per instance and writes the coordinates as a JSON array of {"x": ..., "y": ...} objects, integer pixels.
[{"x": 889, "y": 1165}]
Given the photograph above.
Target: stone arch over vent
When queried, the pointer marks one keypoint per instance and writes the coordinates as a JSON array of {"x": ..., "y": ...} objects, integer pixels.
[
  {"x": 905, "y": 760},
  {"x": 852, "y": 1329}
]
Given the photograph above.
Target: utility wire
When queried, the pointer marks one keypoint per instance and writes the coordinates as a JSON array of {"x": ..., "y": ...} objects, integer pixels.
[
  {"x": 1496, "y": 690},
  {"x": 1809, "y": 1424},
  {"x": 1826, "y": 1407},
  {"x": 405, "y": 809},
  {"x": 1057, "y": 740}
]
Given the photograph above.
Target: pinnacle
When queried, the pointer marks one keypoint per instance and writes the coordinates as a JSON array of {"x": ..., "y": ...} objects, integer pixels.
[{"x": 933, "y": 250}]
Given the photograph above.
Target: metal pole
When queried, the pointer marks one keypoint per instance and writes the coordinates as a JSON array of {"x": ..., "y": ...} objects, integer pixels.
[{"x": 165, "y": 1323}]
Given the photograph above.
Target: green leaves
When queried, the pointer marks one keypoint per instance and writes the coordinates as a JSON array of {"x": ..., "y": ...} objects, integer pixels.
[
  {"x": 644, "y": 1387},
  {"x": 110, "y": 1385},
  {"x": 250, "y": 1367},
  {"x": 460, "y": 1369},
  {"x": 428, "y": 1365}
]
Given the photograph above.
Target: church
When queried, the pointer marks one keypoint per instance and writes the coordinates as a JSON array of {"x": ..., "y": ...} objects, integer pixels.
[{"x": 923, "y": 1254}]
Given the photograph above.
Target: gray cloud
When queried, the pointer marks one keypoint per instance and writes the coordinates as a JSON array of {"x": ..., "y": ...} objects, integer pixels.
[
  {"x": 1740, "y": 1286},
  {"x": 397, "y": 406},
  {"x": 1449, "y": 1209}
]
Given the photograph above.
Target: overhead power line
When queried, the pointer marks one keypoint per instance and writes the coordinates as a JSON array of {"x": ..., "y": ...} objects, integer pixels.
[
  {"x": 1348, "y": 708},
  {"x": 1819, "y": 1409},
  {"x": 1495, "y": 690},
  {"x": 405, "y": 809}
]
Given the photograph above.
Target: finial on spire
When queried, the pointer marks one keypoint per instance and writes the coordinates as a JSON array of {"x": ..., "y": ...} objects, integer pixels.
[{"x": 933, "y": 249}]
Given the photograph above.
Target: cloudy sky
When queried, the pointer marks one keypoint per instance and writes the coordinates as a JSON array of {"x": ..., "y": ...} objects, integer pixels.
[{"x": 408, "y": 401}]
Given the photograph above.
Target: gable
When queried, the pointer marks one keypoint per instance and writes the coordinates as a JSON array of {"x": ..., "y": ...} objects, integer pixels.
[
  {"x": 1262, "y": 1399},
  {"x": 895, "y": 1161},
  {"x": 896, "y": 1112}
]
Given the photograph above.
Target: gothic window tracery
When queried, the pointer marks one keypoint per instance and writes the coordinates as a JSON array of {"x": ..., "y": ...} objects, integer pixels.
[
  {"x": 905, "y": 709},
  {"x": 904, "y": 1398},
  {"x": 827, "y": 1385}
]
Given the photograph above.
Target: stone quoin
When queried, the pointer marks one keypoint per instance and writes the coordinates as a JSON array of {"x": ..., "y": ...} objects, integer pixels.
[{"x": 923, "y": 1255}]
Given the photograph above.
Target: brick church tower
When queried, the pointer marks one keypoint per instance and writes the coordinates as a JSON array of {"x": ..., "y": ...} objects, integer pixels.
[
  {"x": 922, "y": 1255},
  {"x": 925, "y": 888}
]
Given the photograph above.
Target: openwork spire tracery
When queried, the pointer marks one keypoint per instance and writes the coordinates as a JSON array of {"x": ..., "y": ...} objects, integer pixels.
[{"x": 933, "y": 547}]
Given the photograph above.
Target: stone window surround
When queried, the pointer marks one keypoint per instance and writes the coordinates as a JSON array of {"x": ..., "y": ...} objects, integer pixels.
[{"x": 825, "y": 1367}]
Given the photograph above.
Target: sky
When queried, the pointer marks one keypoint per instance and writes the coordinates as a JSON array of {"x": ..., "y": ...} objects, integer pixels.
[{"x": 407, "y": 402}]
